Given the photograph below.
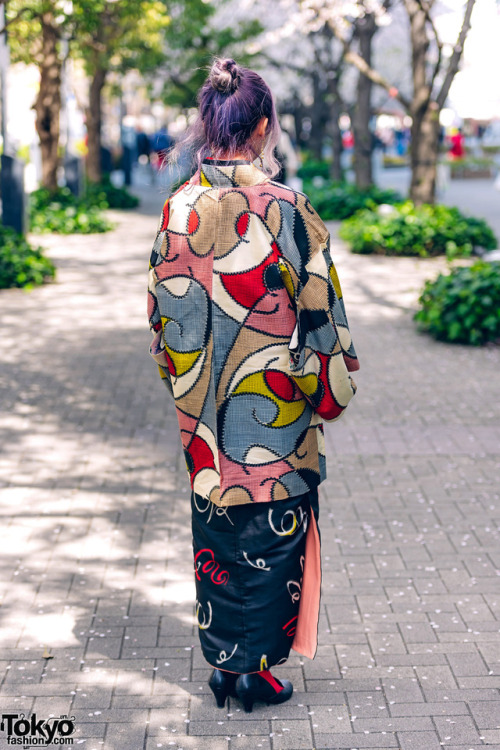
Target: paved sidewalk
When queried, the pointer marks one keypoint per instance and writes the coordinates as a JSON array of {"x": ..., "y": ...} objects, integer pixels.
[{"x": 96, "y": 568}]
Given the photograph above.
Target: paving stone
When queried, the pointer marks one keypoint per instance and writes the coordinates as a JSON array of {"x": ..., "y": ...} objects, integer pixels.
[
  {"x": 456, "y": 729},
  {"x": 292, "y": 735},
  {"x": 465, "y": 665},
  {"x": 491, "y": 736},
  {"x": 88, "y": 731},
  {"x": 418, "y": 740},
  {"x": 355, "y": 741},
  {"x": 255, "y": 742},
  {"x": 432, "y": 676},
  {"x": 190, "y": 743},
  {"x": 445, "y": 694},
  {"x": 330, "y": 718},
  {"x": 393, "y": 724},
  {"x": 485, "y": 714},
  {"x": 125, "y": 736},
  {"x": 222, "y": 727},
  {"x": 445, "y": 708}
]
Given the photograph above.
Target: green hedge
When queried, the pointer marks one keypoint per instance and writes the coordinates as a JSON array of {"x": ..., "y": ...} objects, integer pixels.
[
  {"x": 340, "y": 200},
  {"x": 21, "y": 265},
  {"x": 463, "y": 306},
  {"x": 107, "y": 193},
  {"x": 312, "y": 168},
  {"x": 61, "y": 212},
  {"x": 405, "y": 229}
]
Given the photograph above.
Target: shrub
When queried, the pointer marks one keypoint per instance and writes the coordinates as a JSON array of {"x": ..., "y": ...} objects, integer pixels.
[
  {"x": 470, "y": 166},
  {"x": 61, "y": 212},
  {"x": 339, "y": 200},
  {"x": 406, "y": 229},
  {"x": 106, "y": 195},
  {"x": 393, "y": 160},
  {"x": 312, "y": 168},
  {"x": 21, "y": 265},
  {"x": 464, "y": 305}
]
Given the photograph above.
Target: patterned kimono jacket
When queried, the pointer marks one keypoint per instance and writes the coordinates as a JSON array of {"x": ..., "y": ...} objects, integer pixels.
[{"x": 250, "y": 333}]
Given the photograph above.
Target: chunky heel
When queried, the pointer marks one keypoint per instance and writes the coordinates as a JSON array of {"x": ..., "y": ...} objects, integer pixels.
[
  {"x": 247, "y": 704},
  {"x": 262, "y": 686},
  {"x": 220, "y": 696},
  {"x": 222, "y": 684}
]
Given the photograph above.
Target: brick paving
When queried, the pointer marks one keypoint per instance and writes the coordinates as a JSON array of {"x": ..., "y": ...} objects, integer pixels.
[{"x": 96, "y": 567}]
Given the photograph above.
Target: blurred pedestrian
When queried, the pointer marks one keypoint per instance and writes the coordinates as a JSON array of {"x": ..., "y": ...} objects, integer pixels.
[
  {"x": 143, "y": 148},
  {"x": 162, "y": 143},
  {"x": 143, "y": 145},
  {"x": 252, "y": 341},
  {"x": 456, "y": 139}
]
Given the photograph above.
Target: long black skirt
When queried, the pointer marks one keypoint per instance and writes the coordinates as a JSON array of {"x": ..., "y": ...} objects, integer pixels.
[{"x": 258, "y": 578}]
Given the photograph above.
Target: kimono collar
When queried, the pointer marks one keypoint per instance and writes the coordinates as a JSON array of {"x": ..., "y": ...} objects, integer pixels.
[{"x": 230, "y": 173}]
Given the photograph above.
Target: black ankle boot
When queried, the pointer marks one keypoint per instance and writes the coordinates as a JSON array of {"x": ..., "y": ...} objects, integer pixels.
[
  {"x": 222, "y": 684},
  {"x": 255, "y": 687}
]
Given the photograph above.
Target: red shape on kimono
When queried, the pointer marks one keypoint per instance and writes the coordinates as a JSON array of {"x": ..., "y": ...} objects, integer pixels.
[
  {"x": 328, "y": 408},
  {"x": 249, "y": 286},
  {"x": 200, "y": 454},
  {"x": 242, "y": 223},
  {"x": 193, "y": 221}
]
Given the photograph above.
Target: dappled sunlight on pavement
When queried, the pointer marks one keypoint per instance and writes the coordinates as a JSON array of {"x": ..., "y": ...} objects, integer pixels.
[{"x": 98, "y": 600}]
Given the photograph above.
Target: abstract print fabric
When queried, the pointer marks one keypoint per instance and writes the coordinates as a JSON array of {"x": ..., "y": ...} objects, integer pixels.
[
  {"x": 250, "y": 333},
  {"x": 249, "y": 564}
]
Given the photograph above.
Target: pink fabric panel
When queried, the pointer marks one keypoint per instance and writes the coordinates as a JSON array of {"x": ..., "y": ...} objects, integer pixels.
[{"x": 305, "y": 641}]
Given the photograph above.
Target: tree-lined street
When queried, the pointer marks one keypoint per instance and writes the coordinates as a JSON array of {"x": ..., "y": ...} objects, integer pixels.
[
  {"x": 96, "y": 556},
  {"x": 99, "y": 642}
]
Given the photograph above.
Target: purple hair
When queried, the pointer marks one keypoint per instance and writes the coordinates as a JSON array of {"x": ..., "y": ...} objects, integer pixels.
[{"x": 232, "y": 101}]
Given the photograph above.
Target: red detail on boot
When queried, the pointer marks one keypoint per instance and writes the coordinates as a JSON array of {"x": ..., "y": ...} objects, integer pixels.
[{"x": 266, "y": 674}]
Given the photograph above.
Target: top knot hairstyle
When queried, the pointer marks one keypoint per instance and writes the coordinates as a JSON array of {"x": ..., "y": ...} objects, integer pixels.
[
  {"x": 224, "y": 76},
  {"x": 232, "y": 102}
]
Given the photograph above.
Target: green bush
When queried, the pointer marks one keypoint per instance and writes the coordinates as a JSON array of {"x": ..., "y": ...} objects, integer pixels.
[
  {"x": 339, "y": 200},
  {"x": 61, "y": 212},
  {"x": 463, "y": 306},
  {"x": 312, "y": 168},
  {"x": 469, "y": 166},
  {"x": 21, "y": 265},
  {"x": 106, "y": 195},
  {"x": 406, "y": 229}
]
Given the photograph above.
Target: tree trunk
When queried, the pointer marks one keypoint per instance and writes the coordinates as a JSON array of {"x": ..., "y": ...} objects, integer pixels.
[
  {"x": 424, "y": 152},
  {"x": 48, "y": 102},
  {"x": 335, "y": 113},
  {"x": 337, "y": 146},
  {"x": 317, "y": 132},
  {"x": 94, "y": 118},
  {"x": 363, "y": 146},
  {"x": 424, "y": 112}
]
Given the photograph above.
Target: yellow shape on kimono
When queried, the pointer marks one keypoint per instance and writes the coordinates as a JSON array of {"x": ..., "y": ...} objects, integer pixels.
[
  {"x": 288, "y": 411},
  {"x": 308, "y": 384},
  {"x": 183, "y": 361}
]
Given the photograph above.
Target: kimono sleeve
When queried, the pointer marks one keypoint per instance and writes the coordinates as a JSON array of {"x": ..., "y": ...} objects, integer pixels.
[
  {"x": 321, "y": 350},
  {"x": 157, "y": 346}
]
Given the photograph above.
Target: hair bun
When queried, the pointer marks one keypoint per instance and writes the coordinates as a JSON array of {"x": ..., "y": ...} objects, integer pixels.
[{"x": 225, "y": 76}]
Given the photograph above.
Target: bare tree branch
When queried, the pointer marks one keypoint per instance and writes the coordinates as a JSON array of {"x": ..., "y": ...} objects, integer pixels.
[
  {"x": 355, "y": 59},
  {"x": 456, "y": 56},
  {"x": 281, "y": 64},
  {"x": 352, "y": 57}
]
